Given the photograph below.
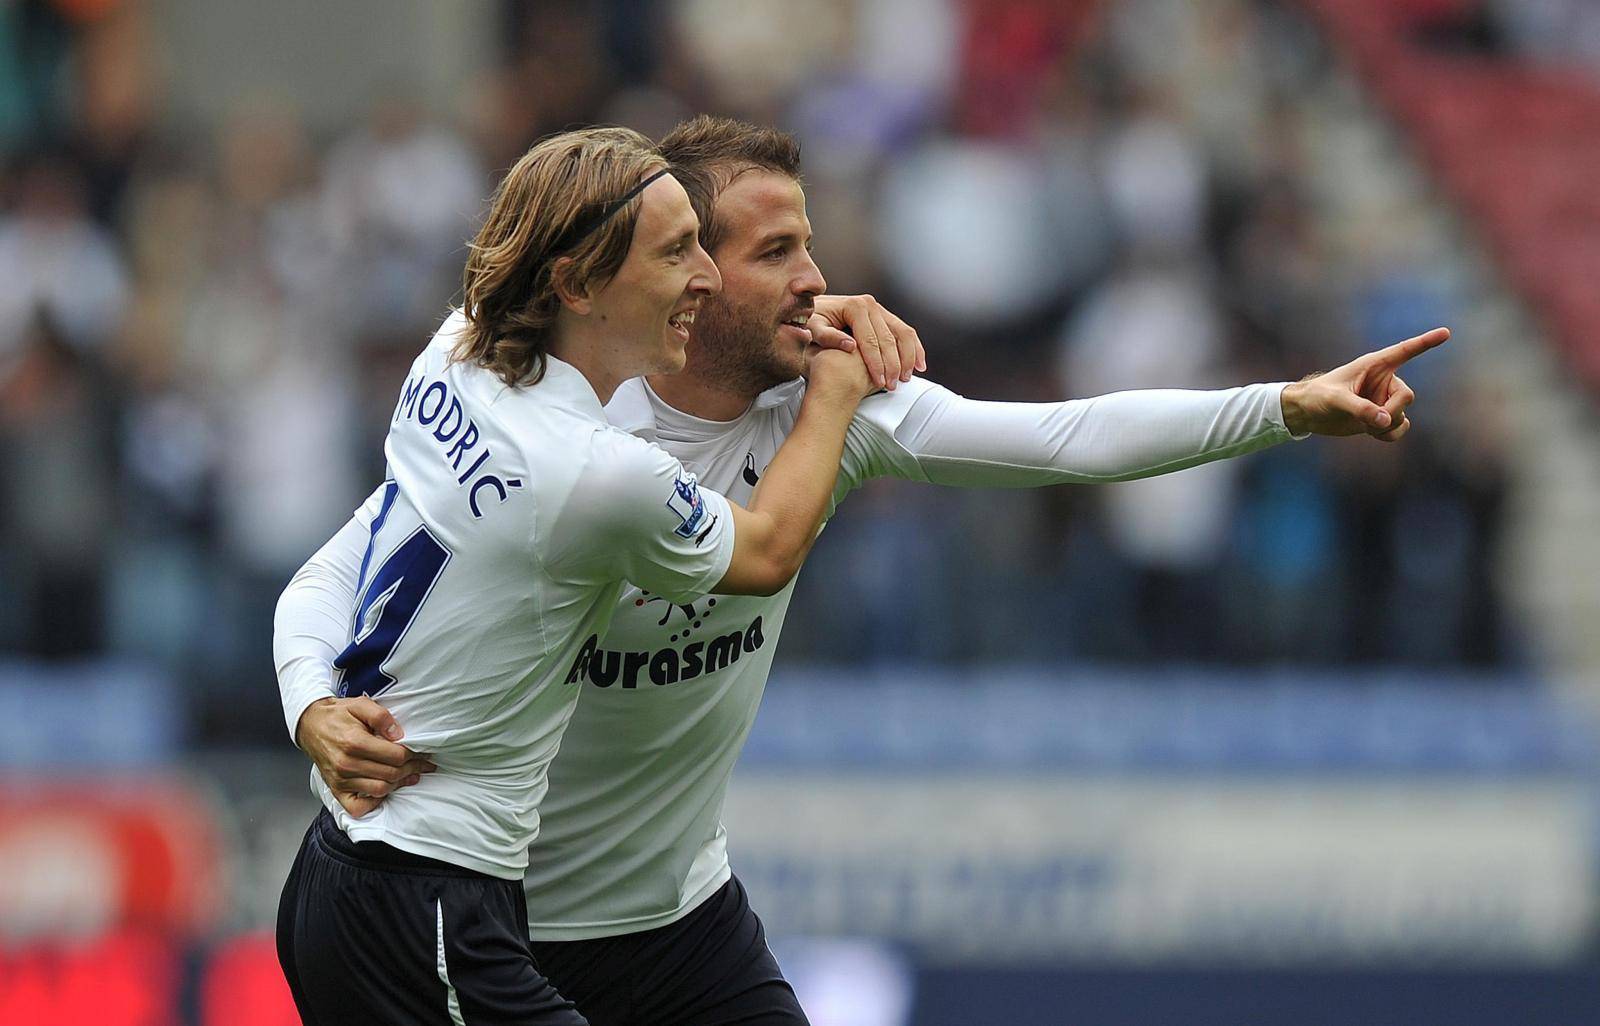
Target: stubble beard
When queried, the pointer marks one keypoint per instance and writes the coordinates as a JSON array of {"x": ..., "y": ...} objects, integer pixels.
[{"x": 736, "y": 348}]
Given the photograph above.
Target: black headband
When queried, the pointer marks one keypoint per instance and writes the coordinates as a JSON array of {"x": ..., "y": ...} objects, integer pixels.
[{"x": 585, "y": 226}]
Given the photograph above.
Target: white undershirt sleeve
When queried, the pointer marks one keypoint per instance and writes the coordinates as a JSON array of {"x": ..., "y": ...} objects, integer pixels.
[
  {"x": 312, "y": 622},
  {"x": 937, "y": 436}
]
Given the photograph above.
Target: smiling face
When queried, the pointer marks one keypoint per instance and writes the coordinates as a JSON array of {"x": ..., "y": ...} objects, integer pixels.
[
  {"x": 748, "y": 338},
  {"x": 649, "y": 305}
]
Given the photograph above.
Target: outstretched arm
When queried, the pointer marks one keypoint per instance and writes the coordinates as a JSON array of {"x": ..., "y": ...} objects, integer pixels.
[
  {"x": 943, "y": 438},
  {"x": 931, "y": 434}
]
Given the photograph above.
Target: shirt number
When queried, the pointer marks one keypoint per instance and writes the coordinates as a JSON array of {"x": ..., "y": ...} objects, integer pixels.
[{"x": 388, "y": 605}]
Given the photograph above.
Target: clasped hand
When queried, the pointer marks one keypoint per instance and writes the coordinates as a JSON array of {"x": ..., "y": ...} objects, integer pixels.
[{"x": 353, "y": 741}]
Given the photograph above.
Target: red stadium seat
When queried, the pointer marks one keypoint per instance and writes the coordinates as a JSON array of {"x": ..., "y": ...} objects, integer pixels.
[{"x": 1517, "y": 145}]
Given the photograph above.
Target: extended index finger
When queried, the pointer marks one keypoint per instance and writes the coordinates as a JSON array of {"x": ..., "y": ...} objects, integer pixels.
[{"x": 1397, "y": 354}]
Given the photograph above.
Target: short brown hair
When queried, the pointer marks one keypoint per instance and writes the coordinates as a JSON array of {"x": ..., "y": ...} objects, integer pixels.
[
  {"x": 718, "y": 150},
  {"x": 508, "y": 288}
]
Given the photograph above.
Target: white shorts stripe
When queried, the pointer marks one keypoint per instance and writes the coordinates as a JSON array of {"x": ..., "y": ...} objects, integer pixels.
[{"x": 451, "y": 1000}]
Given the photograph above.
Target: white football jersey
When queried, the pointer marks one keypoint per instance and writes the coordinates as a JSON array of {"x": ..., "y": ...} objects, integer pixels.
[
  {"x": 632, "y": 835},
  {"x": 493, "y": 562}
]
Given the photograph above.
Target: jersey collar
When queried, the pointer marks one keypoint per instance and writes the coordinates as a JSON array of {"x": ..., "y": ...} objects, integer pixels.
[
  {"x": 636, "y": 409},
  {"x": 779, "y": 395},
  {"x": 564, "y": 385}
]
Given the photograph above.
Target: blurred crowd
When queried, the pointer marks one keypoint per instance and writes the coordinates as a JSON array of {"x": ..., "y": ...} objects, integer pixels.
[{"x": 202, "y": 326}]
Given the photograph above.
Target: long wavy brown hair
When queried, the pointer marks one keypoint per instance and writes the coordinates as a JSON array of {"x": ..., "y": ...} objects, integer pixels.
[{"x": 509, "y": 288}]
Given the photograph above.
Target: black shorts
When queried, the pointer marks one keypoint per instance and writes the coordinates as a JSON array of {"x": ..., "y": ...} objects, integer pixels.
[
  {"x": 369, "y": 934},
  {"x": 710, "y": 968}
]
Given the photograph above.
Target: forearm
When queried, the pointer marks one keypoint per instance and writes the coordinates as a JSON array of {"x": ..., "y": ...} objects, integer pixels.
[
  {"x": 1115, "y": 437},
  {"x": 777, "y": 529},
  {"x": 312, "y": 622}
]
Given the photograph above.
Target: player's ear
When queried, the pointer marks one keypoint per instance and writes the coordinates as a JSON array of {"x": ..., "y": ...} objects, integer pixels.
[{"x": 574, "y": 295}]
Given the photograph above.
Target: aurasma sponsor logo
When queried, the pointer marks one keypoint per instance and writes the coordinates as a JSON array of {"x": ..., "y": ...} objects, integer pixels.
[{"x": 664, "y": 666}]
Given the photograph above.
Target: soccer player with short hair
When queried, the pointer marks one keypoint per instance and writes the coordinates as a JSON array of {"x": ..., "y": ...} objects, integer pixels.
[
  {"x": 633, "y": 908},
  {"x": 494, "y": 556}
]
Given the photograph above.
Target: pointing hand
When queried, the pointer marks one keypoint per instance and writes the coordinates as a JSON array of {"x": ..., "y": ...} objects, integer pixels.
[{"x": 1365, "y": 396}]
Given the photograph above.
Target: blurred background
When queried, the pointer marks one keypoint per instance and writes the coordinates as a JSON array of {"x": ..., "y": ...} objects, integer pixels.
[{"x": 1306, "y": 737}]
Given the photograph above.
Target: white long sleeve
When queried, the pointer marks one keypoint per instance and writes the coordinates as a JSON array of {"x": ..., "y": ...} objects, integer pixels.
[
  {"x": 313, "y": 615},
  {"x": 929, "y": 433}
]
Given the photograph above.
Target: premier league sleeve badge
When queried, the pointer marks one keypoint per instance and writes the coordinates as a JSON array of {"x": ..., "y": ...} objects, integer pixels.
[{"x": 686, "y": 503}]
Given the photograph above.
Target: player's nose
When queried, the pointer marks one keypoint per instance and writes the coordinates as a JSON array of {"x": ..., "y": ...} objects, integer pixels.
[
  {"x": 704, "y": 278},
  {"x": 810, "y": 281}
]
